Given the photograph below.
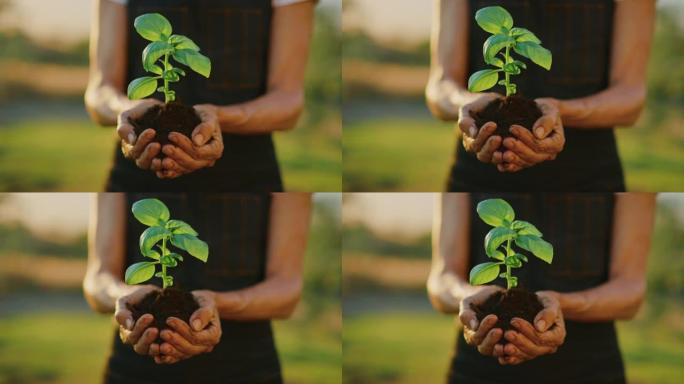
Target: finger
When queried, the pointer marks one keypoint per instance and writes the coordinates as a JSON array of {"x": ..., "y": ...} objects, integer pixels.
[
  {"x": 485, "y": 326},
  {"x": 156, "y": 165},
  {"x": 142, "y": 346},
  {"x": 182, "y": 142},
  {"x": 508, "y": 167},
  {"x": 511, "y": 157},
  {"x": 180, "y": 344},
  {"x": 126, "y": 132},
  {"x": 524, "y": 344},
  {"x": 163, "y": 359},
  {"x": 523, "y": 152},
  {"x": 467, "y": 124},
  {"x": 211, "y": 151},
  {"x": 143, "y": 322},
  {"x": 201, "y": 318},
  {"x": 145, "y": 138},
  {"x": 146, "y": 157},
  {"x": 497, "y": 157},
  {"x": 485, "y": 132},
  {"x": 154, "y": 350},
  {"x": 203, "y": 133},
  {"x": 487, "y": 346},
  {"x": 524, "y": 135},
  {"x": 123, "y": 316},
  {"x": 525, "y": 328},
  {"x": 498, "y": 350},
  {"x": 543, "y": 126},
  {"x": 487, "y": 152},
  {"x": 181, "y": 327},
  {"x": 545, "y": 319},
  {"x": 468, "y": 319},
  {"x": 511, "y": 352},
  {"x": 169, "y": 164},
  {"x": 182, "y": 158}
]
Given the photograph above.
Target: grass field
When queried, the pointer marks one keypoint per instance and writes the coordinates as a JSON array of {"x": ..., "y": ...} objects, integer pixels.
[
  {"x": 75, "y": 155},
  {"x": 389, "y": 154},
  {"x": 71, "y": 348},
  {"x": 409, "y": 347}
]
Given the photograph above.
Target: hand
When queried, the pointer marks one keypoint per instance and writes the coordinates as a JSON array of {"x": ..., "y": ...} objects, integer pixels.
[
  {"x": 479, "y": 141},
  {"x": 481, "y": 335},
  {"x": 140, "y": 149},
  {"x": 525, "y": 149},
  {"x": 528, "y": 342},
  {"x": 182, "y": 341},
  {"x": 136, "y": 334},
  {"x": 188, "y": 156}
]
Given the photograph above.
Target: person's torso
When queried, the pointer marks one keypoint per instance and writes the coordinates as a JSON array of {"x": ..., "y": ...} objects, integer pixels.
[
  {"x": 579, "y": 35},
  {"x": 235, "y": 226},
  {"x": 235, "y": 35},
  {"x": 579, "y": 226}
]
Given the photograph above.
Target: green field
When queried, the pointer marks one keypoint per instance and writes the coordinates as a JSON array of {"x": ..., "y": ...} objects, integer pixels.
[
  {"x": 389, "y": 154},
  {"x": 71, "y": 348},
  {"x": 75, "y": 155},
  {"x": 404, "y": 347}
]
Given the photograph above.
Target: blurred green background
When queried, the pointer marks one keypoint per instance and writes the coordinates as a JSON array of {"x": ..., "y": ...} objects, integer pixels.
[
  {"x": 393, "y": 335},
  {"x": 50, "y": 335},
  {"x": 392, "y": 142},
  {"x": 45, "y": 133}
]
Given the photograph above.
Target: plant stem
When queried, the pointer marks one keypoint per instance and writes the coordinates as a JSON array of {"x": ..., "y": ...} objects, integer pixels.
[
  {"x": 509, "y": 283},
  {"x": 164, "y": 285},
  {"x": 167, "y": 97},
  {"x": 508, "y": 80}
]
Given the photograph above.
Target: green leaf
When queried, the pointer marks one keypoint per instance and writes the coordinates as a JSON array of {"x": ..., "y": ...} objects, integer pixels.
[
  {"x": 493, "y": 45},
  {"x": 195, "y": 60},
  {"x": 498, "y": 255},
  {"x": 180, "y": 227},
  {"x": 513, "y": 262},
  {"x": 522, "y": 35},
  {"x": 495, "y": 212},
  {"x": 520, "y": 64},
  {"x": 511, "y": 69},
  {"x": 176, "y": 256},
  {"x": 194, "y": 246},
  {"x": 139, "y": 272},
  {"x": 150, "y": 237},
  {"x": 182, "y": 42},
  {"x": 153, "y": 26},
  {"x": 497, "y": 62},
  {"x": 521, "y": 257},
  {"x": 514, "y": 282},
  {"x": 169, "y": 261},
  {"x": 156, "y": 69},
  {"x": 494, "y": 19},
  {"x": 525, "y": 228},
  {"x": 152, "y": 254},
  {"x": 171, "y": 76},
  {"x": 535, "y": 52},
  {"x": 496, "y": 237},
  {"x": 151, "y": 212},
  {"x": 142, "y": 87},
  {"x": 153, "y": 52},
  {"x": 179, "y": 71},
  {"x": 484, "y": 273},
  {"x": 539, "y": 247},
  {"x": 483, "y": 80}
]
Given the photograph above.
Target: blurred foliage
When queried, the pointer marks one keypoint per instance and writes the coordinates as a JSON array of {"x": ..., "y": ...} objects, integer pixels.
[
  {"x": 358, "y": 45},
  {"x": 358, "y": 238},
  {"x": 17, "y": 45},
  {"x": 17, "y": 239}
]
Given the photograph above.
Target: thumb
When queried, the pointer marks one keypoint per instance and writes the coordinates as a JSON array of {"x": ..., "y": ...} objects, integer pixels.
[
  {"x": 124, "y": 317},
  {"x": 468, "y": 319},
  {"x": 543, "y": 126},
  {"x": 202, "y": 134},
  {"x": 201, "y": 318},
  {"x": 545, "y": 319}
]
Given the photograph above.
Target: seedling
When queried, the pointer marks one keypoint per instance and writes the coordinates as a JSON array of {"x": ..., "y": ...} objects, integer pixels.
[
  {"x": 497, "y": 21},
  {"x": 162, "y": 231},
  {"x": 500, "y": 240},
  {"x": 156, "y": 57}
]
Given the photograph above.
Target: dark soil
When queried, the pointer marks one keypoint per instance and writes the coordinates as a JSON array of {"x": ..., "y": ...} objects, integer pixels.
[
  {"x": 167, "y": 118},
  {"x": 508, "y": 111},
  {"x": 515, "y": 302},
  {"x": 169, "y": 302}
]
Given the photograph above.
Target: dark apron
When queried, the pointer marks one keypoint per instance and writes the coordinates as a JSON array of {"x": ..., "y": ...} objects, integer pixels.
[
  {"x": 579, "y": 35},
  {"x": 236, "y": 227},
  {"x": 235, "y": 35},
  {"x": 580, "y": 228}
]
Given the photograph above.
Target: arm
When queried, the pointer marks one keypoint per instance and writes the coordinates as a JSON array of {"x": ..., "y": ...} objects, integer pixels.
[
  {"x": 283, "y": 102},
  {"x": 622, "y": 102},
  {"x": 621, "y": 296}
]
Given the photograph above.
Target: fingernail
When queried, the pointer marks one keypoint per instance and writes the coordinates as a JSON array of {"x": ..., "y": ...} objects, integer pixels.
[
  {"x": 129, "y": 324},
  {"x": 199, "y": 139},
  {"x": 131, "y": 138},
  {"x": 169, "y": 321},
  {"x": 541, "y": 325},
  {"x": 540, "y": 132},
  {"x": 473, "y": 324},
  {"x": 197, "y": 324}
]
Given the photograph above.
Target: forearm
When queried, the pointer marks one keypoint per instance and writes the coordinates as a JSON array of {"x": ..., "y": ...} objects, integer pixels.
[
  {"x": 274, "y": 298},
  {"x": 445, "y": 97},
  {"x": 102, "y": 289},
  {"x": 446, "y": 290},
  {"x": 613, "y": 300},
  {"x": 104, "y": 103},
  {"x": 616, "y": 106},
  {"x": 277, "y": 110}
]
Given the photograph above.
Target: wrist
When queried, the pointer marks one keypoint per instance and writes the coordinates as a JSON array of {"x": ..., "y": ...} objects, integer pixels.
[{"x": 230, "y": 303}]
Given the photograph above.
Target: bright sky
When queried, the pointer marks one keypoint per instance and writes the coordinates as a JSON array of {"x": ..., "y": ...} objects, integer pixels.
[
  {"x": 388, "y": 214},
  {"x": 63, "y": 214}
]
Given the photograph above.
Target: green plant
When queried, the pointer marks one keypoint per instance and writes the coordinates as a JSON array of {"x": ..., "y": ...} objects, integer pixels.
[
  {"x": 157, "y": 29},
  {"x": 499, "y": 243},
  {"x": 497, "y": 21},
  {"x": 180, "y": 234}
]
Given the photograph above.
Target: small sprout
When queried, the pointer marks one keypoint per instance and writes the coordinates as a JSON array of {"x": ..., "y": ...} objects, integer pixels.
[
  {"x": 497, "y": 21},
  {"x": 157, "y": 29},
  {"x": 154, "y": 243},
  {"x": 500, "y": 240}
]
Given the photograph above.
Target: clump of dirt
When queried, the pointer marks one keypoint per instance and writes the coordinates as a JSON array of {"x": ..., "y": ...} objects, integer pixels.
[
  {"x": 508, "y": 111},
  {"x": 515, "y": 302},
  {"x": 167, "y": 118},
  {"x": 169, "y": 302}
]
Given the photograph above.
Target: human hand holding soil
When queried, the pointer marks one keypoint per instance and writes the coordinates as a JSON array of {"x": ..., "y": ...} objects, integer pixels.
[
  {"x": 482, "y": 335},
  {"x": 140, "y": 149},
  {"x": 527, "y": 342},
  {"x": 185, "y": 155},
  {"x": 526, "y": 149},
  {"x": 482, "y": 142},
  {"x": 183, "y": 341},
  {"x": 138, "y": 333}
]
